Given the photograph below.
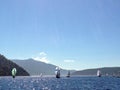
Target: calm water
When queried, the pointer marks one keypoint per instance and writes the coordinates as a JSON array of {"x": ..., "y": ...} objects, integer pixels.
[{"x": 51, "y": 83}]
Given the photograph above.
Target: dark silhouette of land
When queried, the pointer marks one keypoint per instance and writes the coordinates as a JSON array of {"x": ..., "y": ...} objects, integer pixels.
[{"x": 7, "y": 65}]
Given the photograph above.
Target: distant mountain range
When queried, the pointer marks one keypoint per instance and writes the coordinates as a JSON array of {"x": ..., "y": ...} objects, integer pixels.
[
  {"x": 6, "y": 67},
  {"x": 36, "y": 67},
  {"x": 104, "y": 71},
  {"x": 33, "y": 67}
]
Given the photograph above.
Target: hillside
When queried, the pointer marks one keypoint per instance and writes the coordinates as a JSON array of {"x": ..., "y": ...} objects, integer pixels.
[
  {"x": 36, "y": 67},
  {"x": 105, "y": 70},
  {"x": 6, "y": 66}
]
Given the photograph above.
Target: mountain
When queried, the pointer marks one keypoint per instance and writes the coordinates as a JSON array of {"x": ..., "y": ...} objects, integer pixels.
[
  {"x": 104, "y": 71},
  {"x": 36, "y": 67},
  {"x": 6, "y": 66}
]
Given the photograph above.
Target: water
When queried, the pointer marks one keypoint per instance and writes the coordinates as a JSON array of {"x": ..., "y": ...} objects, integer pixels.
[{"x": 64, "y": 83}]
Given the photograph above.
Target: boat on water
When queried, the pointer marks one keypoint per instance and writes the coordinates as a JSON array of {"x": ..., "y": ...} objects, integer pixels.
[
  {"x": 68, "y": 75},
  {"x": 99, "y": 73},
  {"x": 57, "y": 72},
  {"x": 41, "y": 75},
  {"x": 14, "y": 71}
]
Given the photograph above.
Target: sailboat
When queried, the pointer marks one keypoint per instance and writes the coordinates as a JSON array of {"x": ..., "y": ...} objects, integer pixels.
[
  {"x": 14, "y": 71},
  {"x": 68, "y": 75},
  {"x": 99, "y": 73},
  {"x": 41, "y": 75},
  {"x": 57, "y": 72}
]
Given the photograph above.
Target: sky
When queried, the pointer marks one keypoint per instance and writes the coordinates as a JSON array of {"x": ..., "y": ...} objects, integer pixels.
[{"x": 73, "y": 34}]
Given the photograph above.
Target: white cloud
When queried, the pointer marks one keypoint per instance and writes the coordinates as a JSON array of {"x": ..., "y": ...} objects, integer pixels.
[
  {"x": 42, "y": 57},
  {"x": 43, "y": 54},
  {"x": 69, "y": 61}
]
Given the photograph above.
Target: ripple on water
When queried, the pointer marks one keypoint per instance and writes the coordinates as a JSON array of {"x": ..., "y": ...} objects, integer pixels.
[{"x": 51, "y": 83}]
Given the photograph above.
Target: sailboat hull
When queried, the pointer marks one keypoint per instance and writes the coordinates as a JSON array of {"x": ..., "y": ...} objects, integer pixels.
[
  {"x": 57, "y": 76},
  {"x": 67, "y": 76},
  {"x": 99, "y": 76},
  {"x": 13, "y": 76}
]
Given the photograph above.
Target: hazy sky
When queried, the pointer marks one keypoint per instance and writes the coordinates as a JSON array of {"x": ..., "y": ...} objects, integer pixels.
[{"x": 73, "y": 34}]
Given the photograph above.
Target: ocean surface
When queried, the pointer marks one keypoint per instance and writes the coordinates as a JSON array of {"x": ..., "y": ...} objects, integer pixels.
[{"x": 64, "y": 83}]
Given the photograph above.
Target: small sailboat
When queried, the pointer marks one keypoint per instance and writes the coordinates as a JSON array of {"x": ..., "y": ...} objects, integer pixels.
[
  {"x": 41, "y": 75},
  {"x": 14, "y": 71},
  {"x": 99, "y": 73},
  {"x": 68, "y": 75},
  {"x": 57, "y": 72}
]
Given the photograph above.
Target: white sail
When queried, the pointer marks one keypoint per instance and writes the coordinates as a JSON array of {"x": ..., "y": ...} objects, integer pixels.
[
  {"x": 14, "y": 71},
  {"x": 41, "y": 75},
  {"x": 99, "y": 73}
]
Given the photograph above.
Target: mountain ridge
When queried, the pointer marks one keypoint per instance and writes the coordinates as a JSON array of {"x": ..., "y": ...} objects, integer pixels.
[
  {"x": 104, "y": 70},
  {"x": 37, "y": 67}
]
